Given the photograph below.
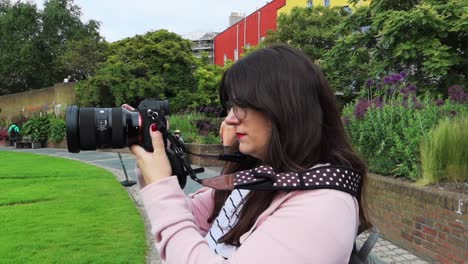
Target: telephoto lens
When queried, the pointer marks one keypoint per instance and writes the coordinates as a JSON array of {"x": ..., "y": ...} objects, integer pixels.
[{"x": 100, "y": 128}]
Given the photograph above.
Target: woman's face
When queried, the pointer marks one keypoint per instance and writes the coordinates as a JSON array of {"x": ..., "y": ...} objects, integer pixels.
[{"x": 253, "y": 130}]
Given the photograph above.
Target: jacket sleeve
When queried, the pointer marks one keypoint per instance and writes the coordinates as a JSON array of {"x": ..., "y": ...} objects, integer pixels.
[{"x": 310, "y": 227}]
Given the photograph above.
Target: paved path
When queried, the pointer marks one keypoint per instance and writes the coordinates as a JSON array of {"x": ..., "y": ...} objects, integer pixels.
[{"x": 383, "y": 252}]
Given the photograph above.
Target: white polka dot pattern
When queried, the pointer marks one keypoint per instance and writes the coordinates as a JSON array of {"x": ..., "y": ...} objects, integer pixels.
[{"x": 333, "y": 177}]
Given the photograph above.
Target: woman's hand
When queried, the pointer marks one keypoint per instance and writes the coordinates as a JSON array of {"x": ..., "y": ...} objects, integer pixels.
[{"x": 155, "y": 166}]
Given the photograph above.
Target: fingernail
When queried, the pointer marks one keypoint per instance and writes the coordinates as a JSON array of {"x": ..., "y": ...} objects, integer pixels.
[{"x": 154, "y": 127}]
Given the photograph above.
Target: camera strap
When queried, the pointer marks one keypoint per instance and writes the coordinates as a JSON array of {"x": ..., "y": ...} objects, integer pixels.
[{"x": 265, "y": 178}]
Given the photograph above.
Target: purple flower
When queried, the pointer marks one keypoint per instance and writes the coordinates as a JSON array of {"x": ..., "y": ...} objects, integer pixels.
[
  {"x": 387, "y": 80},
  {"x": 404, "y": 91},
  {"x": 369, "y": 83},
  {"x": 457, "y": 94},
  {"x": 440, "y": 102},
  {"x": 378, "y": 102},
  {"x": 412, "y": 88},
  {"x": 403, "y": 74},
  {"x": 361, "y": 108},
  {"x": 396, "y": 78},
  {"x": 453, "y": 113}
]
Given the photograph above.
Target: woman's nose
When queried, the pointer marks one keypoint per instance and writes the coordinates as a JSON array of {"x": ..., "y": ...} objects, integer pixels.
[{"x": 231, "y": 118}]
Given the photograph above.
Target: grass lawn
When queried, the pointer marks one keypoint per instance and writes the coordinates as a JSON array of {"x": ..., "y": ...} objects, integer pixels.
[{"x": 55, "y": 210}]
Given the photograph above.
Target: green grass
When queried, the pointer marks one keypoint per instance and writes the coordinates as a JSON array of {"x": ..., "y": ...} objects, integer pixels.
[
  {"x": 54, "y": 210},
  {"x": 444, "y": 154}
]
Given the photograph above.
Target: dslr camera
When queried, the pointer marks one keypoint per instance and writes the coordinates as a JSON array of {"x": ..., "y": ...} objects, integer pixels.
[{"x": 103, "y": 128}]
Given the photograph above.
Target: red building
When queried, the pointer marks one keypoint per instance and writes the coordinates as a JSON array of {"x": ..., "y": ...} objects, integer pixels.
[{"x": 250, "y": 31}]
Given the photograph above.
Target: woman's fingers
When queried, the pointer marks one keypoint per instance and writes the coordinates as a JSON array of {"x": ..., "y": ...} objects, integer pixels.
[
  {"x": 154, "y": 166},
  {"x": 157, "y": 141},
  {"x": 128, "y": 107}
]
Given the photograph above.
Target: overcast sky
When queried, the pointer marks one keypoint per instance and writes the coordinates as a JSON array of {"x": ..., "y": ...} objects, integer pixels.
[{"x": 126, "y": 18}]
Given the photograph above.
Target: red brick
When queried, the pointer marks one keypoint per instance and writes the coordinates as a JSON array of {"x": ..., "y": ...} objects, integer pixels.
[
  {"x": 430, "y": 238},
  {"x": 457, "y": 232},
  {"x": 448, "y": 247},
  {"x": 418, "y": 234},
  {"x": 429, "y": 231},
  {"x": 442, "y": 236},
  {"x": 419, "y": 219},
  {"x": 430, "y": 246},
  {"x": 456, "y": 224},
  {"x": 456, "y": 241},
  {"x": 456, "y": 258},
  {"x": 407, "y": 236}
]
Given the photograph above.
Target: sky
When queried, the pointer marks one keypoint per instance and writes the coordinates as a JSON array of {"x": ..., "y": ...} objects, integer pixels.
[{"x": 126, "y": 18}]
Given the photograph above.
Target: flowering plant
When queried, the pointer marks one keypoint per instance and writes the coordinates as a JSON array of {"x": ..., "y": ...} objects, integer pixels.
[{"x": 389, "y": 120}]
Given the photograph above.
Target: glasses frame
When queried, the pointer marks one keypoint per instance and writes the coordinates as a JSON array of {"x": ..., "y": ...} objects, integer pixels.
[{"x": 239, "y": 112}]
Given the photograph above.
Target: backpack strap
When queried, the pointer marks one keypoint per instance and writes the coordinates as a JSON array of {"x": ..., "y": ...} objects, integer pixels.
[{"x": 341, "y": 178}]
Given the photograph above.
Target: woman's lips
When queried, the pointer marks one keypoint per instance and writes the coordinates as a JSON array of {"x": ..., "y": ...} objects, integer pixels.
[{"x": 240, "y": 135}]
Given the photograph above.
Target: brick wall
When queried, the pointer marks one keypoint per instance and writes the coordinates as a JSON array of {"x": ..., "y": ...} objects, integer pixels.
[{"x": 422, "y": 219}]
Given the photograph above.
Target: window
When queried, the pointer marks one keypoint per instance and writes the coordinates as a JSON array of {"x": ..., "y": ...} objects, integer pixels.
[
  {"x": 310, "y": 3},
  {"x": 326, "y": 3}
]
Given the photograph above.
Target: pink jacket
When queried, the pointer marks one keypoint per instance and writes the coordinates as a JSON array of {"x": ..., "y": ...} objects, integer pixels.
[{"x": 315, "y": 226}]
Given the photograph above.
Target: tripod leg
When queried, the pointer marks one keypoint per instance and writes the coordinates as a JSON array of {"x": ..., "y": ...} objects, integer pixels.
[{"x": 127, "y": 182}]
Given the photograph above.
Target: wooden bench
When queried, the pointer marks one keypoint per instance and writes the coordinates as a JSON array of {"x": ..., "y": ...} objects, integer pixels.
[{"x": 24, "y": 143}]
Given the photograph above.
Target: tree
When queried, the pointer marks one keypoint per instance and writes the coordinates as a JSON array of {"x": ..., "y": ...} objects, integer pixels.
[
  {"x": 427, "y": 39},
  {"x": 82, "y": 58},
  {"x": 158, "y": 65},
  {"x": 33, "y": 43},
  {"x": 20, "y": 59},
  {"x": 310, "y": 29}
]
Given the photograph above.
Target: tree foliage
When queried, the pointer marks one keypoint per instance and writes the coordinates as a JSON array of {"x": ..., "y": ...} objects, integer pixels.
[
  {"x": 158, "y": 65},
  {"x": 34, "y": 43},
  {"x": 310, "y": 29},
  {"x": 425, "y": 38}
]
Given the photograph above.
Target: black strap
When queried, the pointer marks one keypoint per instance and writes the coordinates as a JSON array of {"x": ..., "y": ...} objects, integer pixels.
[
  {"x": 340, "y": 178},
  {"x": 264, "y": 177}
]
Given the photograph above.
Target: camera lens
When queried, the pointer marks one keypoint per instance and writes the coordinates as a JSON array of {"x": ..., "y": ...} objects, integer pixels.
[{"x": 100, "y": 128}]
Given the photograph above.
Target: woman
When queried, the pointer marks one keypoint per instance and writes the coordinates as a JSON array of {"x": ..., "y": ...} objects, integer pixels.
[{"x": 285, "y": 115}]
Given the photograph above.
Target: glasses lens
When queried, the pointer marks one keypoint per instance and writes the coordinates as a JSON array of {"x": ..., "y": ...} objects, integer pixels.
[{"x": 239, "y": 112}]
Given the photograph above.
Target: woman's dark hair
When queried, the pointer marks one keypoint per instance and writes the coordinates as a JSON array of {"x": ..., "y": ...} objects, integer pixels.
[{"x": 284, "y": 84}]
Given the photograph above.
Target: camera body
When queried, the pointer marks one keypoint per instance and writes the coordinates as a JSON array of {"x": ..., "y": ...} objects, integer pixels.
[{"x": 152, "y": 111}]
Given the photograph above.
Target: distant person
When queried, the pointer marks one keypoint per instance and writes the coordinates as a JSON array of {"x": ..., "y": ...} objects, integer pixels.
[
  {"x": 178, "y": 135},
  {"x": 13, "y": 134},
  {"x": 227, "y": 133}
]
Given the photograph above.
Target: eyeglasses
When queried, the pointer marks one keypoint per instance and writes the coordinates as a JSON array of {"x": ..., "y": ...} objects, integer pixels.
[{"x": 239, "y": 112}]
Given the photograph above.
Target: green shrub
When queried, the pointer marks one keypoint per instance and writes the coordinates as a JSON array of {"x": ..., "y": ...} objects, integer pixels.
[
  {"x": 196, "y": 127},
  {"x": 57, "y": 129},
  {"x": 444, "y": 153},
  {"x": 37, "y": 128}
]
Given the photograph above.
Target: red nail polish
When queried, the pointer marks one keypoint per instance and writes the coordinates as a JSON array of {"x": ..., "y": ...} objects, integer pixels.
[{"x": 154, "y": 127}]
